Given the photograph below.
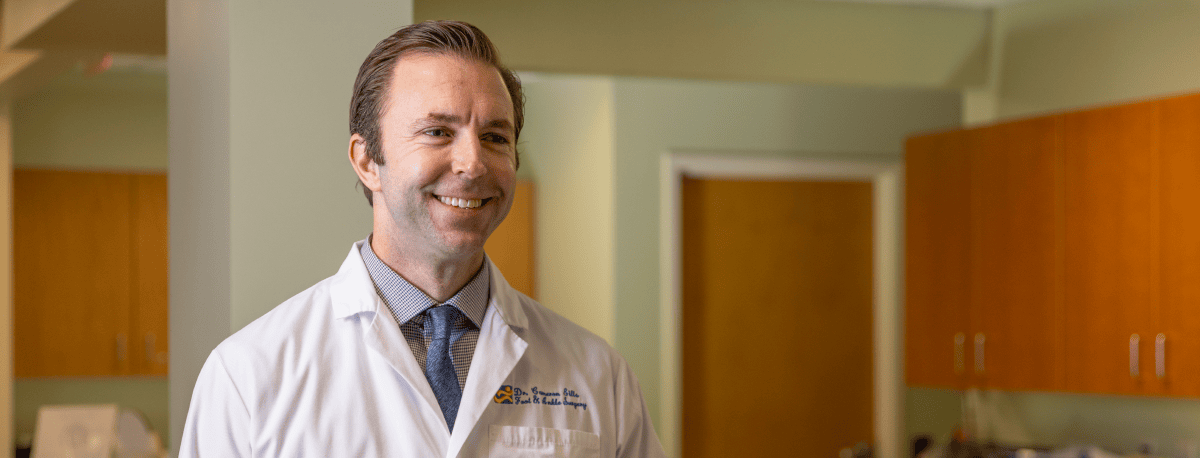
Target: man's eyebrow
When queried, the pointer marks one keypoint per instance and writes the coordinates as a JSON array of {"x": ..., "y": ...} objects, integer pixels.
[
  {"x": 501, "y": 124},
  {"x": 444, "y": 118},
  {"x": 439, "y": 118}
]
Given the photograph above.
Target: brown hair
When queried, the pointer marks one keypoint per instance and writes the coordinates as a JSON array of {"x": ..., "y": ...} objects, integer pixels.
[{"x": 434, "y": 37}]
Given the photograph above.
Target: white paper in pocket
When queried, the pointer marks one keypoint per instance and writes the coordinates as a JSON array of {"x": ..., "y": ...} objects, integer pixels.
[{"x": 533, "y": 442}]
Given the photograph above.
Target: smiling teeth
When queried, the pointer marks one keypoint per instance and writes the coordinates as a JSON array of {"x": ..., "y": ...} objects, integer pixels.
[{"x": 461, "y": 203}]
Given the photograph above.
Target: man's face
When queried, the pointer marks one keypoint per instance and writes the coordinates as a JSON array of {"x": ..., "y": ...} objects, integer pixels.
[{"x": 449, "y": 154}]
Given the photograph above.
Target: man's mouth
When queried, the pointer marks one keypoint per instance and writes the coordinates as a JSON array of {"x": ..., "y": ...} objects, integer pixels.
[{"x": 462, "y": 203}]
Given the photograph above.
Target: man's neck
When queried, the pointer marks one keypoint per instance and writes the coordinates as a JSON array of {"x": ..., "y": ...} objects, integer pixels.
[{"x": 440, "y": 279}]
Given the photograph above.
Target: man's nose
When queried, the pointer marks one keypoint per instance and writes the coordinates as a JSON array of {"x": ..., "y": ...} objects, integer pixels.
[{"x": 467, "y": 157}]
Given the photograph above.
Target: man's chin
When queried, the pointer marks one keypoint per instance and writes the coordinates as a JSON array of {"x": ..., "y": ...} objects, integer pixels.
[{"x": 462, "y": 246}]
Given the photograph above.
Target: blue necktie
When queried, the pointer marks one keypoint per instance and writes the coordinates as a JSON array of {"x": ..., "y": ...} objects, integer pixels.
[{"x": 439, "y": 368}]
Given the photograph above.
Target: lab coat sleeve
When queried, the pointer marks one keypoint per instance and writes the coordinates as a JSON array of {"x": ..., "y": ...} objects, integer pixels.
[
  {"x": 635, "y": 430},
  {"x": 218, "y": 421}
]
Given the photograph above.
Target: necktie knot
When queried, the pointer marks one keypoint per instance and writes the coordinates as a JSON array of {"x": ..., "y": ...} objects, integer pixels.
[{"x": 443, "y": 318}]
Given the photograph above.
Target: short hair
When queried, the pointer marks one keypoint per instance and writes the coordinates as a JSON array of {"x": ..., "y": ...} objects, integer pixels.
[{"x": 431, "y": 37}]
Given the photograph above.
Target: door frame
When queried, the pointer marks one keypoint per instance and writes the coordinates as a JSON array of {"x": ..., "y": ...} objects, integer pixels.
[{"x": 886, "y": 176}]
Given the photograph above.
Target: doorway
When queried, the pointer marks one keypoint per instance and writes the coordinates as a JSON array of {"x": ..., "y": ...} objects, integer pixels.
[{"x": 876, "y": 177}]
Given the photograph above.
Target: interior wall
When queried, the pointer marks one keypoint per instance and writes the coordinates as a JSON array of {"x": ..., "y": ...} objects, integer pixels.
[
  {"x": 1072, "y": 54},
  {"x": 566, "y": 148},
  {"x": 657, "y": 116},
  {"x": 762, "y": 40},
  {"x": 263, "y": 203},
  {"x": 113, "y": 121}
]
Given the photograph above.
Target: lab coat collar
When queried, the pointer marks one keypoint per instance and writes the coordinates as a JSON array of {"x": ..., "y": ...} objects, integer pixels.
[
  {"x": 353, "y": 292},
  {"x": 505, "y": 299}
]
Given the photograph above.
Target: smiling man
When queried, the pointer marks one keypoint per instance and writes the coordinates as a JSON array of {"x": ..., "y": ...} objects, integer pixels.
[{"x": 417, "y": 347}]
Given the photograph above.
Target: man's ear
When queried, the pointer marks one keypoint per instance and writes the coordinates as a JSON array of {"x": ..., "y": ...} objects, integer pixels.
[{"x": 364, "y": 166}]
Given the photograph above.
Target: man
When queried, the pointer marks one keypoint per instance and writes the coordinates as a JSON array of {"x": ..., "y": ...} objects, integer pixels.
[{"x": 417, "y": 346}]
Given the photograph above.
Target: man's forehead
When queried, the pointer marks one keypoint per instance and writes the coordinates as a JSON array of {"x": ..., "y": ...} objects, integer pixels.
[{"x": 428, "y": 75}]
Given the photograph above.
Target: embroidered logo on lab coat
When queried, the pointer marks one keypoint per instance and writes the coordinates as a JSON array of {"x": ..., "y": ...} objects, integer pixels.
[
  {"x": 509, "y": 394},
  {"x": 505, "y": 395}
]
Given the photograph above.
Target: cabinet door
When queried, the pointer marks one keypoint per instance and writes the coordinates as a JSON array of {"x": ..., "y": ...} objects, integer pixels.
[
  {"x": 1110, "y": 247},
  {"x": 71, "y": 245},
  {"x": 150, "y": 271},
  {"x": 1180, "y": 229},
  {"x": 1015, "y": 258},
  {"x": 937, "y": 259}
]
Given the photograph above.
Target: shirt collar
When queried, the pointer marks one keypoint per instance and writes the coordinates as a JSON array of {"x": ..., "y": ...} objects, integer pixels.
[{"x": 406, "y": 301}]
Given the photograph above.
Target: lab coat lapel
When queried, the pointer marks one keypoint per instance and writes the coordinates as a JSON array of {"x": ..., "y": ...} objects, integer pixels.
[
  {"x": 353, "y": 292},
  {"x": 384, "y": 336},
  {"x": 499, "y": 349}
]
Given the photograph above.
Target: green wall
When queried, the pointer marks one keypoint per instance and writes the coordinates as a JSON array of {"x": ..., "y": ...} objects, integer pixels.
[
  {"x": 113, "y": 121},
  {"x": 1068, "y": 54},
  {"x": 566, "y": 148}
]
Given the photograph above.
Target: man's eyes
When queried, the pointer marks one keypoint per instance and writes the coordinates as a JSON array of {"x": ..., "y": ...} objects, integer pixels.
[
  {"x": 496, "y": 138},
  {"x": 487, "y": 137}
]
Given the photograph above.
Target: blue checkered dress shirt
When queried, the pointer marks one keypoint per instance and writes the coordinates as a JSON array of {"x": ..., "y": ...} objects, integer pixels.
[{"x": 408, "y": 305}]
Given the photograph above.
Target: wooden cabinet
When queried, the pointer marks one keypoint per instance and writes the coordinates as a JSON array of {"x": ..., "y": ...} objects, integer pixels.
[
  {"x": 938, "y": 227},
  {"x": 1014, "y": 260},
  {"x": 90, "y": 260},
  {"x": 982, "y": 264},
  {"x": 1084, "y": 234},
  {"x": 1179, "y": 232},
  {"x": 151, "y": 265},
  {"x": 1110, "y": 247}
]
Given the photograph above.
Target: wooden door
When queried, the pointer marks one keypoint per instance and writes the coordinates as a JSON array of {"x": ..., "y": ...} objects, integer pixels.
[
  {"x": 1016, "y": 262},
  {"x": 1110, "y": 247},
  {"x": 1180, "y": 223},
  {"x": 150, "y": 345},
  {"x": 937, "y": 259},
  {"x": 71, "y": 255},
  {"x": 777, "y": 317}
]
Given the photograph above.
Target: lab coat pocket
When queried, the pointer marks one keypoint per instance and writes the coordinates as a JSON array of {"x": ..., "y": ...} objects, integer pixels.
[{"x": 533, "y": 442}]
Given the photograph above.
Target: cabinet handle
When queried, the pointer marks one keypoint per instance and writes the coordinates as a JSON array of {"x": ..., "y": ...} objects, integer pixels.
[
  {"x": 1160, "y": 356},
  {"x": 960, "y": 341},
  {"x": 1133, "y": 355},
  {"x": 979, "y": 340},
  {"x": 122, "y": 348}
]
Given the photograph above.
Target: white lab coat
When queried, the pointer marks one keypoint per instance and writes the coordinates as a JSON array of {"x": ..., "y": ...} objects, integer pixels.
[{"x": 328, "y": 373}]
